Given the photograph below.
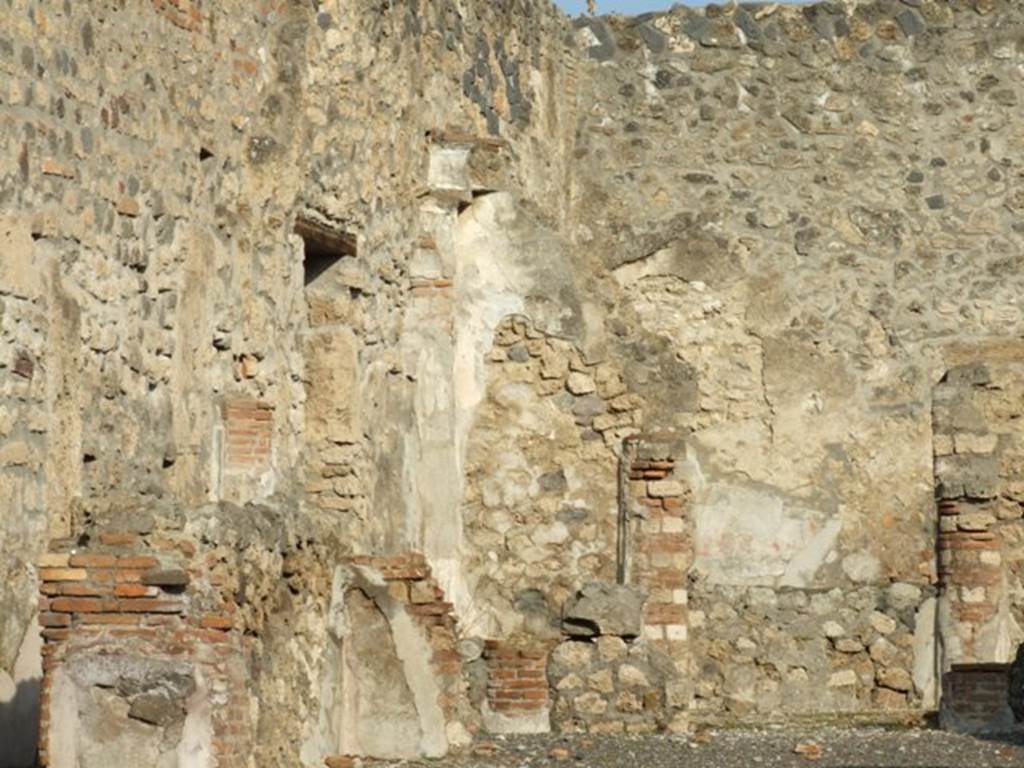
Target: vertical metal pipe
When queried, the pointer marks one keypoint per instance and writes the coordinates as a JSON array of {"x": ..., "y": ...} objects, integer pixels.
[{"x": 622, "y": 559}]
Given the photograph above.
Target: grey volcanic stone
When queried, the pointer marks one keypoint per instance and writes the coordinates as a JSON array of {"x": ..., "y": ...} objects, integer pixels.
[
  {"x": 604, "y": 609},
  {"x": 157, "y": 708}
]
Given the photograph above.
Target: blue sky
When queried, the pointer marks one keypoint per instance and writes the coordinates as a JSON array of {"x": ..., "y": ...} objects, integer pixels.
[
  {"x": 574, "y": 7},
  {"x": 619, "y": 6}
]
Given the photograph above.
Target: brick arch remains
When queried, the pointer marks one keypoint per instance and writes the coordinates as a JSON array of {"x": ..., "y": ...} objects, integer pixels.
[{"x": 393, "y": 685}]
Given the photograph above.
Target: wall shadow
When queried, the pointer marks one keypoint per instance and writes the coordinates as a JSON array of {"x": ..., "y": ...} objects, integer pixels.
[{"x": 19, "y": 726}]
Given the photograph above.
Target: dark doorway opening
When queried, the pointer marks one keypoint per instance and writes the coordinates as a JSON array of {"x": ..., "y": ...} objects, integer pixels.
[{"x": 324, "y": 247}]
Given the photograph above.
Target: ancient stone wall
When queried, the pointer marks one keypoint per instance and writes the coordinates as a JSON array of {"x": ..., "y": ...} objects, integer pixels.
[
  {"x": 800, "y": 218},
  {"x": 207, "y": 212},
  {"x": 615, "y": 686},
  {"x": 655, "y": 313},
  {"x": 541, "y": 506}
]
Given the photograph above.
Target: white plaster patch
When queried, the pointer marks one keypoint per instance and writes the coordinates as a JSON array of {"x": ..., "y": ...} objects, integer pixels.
[
  {"x": 924, "y": 652},
  {"x": 753, "y": 536},
  {"x": 535, "y": 722},
  {"x": 861, "y": 567},
  {"x": 196, "y": 747},
  {"x": 448, "y": 169}
]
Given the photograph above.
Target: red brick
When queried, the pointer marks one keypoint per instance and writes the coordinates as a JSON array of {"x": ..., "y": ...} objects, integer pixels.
[
  {"x": 109, "y": 618},
  {"x": 93, "y": 561},
  {"x": 145, "y": 605},
  {"x": 208, "y": 636},
  {"x": 54, "y": 620},
  {"x": 81, "y": 605},
  {"x": 537, "y": 675},
  {"x": 505, "y": 706},
  {"x": 976, "y": 576},
  {"x": 535, "y": 695},
  {"x": 520, "y": 685},
  {"x": 411, "y": 574},
  {"x": 429, "y": 609},
  {"x": 660, "y": 465},
  {"x": 82, "y": 590},
  {"x": 216, "y": 622},
  {"x": 137, "y": 562},
  {"x": 62, "y": 574},
  {"x": 497, "y": 680},
  {"x": 117, "y": 539},
  {"x": 536, "y": 654},
  {"x": 119, "y": 575},
  {"x": 134, "y": 590},
  {"x": 187, "y": 548},
  {"x": 665, "y": 613},
  {"x": 973, "y": 612}
]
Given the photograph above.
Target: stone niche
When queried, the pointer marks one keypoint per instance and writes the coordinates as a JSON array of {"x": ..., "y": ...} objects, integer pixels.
[
  {"x": 392, "y": 685},
  {"x": 107, "y": 707},
  {"x": 143, "y": 663}
]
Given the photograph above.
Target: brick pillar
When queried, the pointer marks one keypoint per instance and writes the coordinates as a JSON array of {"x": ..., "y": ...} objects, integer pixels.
[
  {"x": 970, "y": 574},
  {"x": 662, "y": 547},
  {"x": 976, "y": 410}
]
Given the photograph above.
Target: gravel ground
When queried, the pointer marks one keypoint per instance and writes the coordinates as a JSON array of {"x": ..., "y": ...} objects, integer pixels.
[{"x": 769, "y": 748}]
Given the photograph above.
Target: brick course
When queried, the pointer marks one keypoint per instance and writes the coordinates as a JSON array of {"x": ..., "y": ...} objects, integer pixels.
[
  {"x": 248, "y": 434},
  {"x": 517, "y": 680}
]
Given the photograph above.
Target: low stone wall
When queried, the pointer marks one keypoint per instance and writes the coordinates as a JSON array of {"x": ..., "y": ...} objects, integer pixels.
[
  {"x": 761, "y": 653},
  {"x": 610, "y": 685}
]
